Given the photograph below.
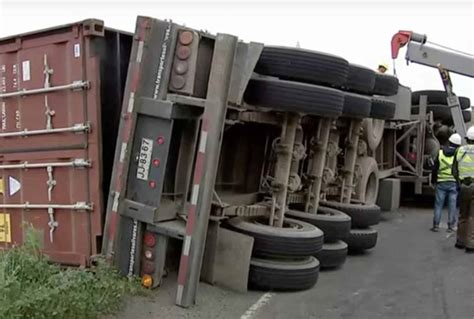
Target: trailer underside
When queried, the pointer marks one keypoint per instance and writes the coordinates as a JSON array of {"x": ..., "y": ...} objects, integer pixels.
[{"x": 431, "y": 279}]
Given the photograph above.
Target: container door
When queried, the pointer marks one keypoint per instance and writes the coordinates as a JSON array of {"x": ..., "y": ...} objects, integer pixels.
[{"x": 50, "y": 142}]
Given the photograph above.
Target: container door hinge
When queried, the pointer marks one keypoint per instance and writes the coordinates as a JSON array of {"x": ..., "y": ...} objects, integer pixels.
[
  {"x": 53, "y": 224},
  {"x": 47, "y": 73},
  {"x": 51, "y": 182},
  {"x": 49, "y": 114}
]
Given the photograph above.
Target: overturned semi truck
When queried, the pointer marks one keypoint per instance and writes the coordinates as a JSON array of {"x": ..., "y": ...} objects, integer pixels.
[{"x": 240, "y": 164}]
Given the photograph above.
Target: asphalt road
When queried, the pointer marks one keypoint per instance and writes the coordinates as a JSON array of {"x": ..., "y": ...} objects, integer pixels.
[{"x": 412, "y": 273}]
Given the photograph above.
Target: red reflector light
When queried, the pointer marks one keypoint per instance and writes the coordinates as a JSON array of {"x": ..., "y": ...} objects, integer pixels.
[
  {"x": 148, "y": 267},
  {"x": 186, "y": 37},
  {"x": 178, "y": 82},
  {"x": 160, "y": 140},
  {"x": 149, "y": 239},
  {"x": 183, "y": 53},
  {"x": 152, "y": 184},
  {"x": 156, "y": 162}
]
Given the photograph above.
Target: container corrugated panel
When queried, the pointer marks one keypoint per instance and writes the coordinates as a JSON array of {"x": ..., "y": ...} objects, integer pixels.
[{"x": 58, "y": 89}]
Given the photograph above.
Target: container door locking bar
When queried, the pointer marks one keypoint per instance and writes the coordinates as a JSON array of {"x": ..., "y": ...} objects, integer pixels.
[
  {"x": 77, "y": 128},
  {"x": 76, "y": 85},
  {"x": 51, "y": 182},
  {"x": 77, "y": 163},
  {"x": 52, "y": 223}
]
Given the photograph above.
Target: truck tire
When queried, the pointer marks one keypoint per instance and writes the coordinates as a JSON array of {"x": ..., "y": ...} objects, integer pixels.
[
  {"x": 466, "y": 114},
  {"x": 296, "y": 239},
  {"x": 289, "y": 96},
  {"x": 283, "y": 275},
  {"x": 362, "y": 239},
  {"x": 438, "y": 97},
  {"x": 360, "y": 79},
  {"x": 332, "y": 255},
  {"x": 382, "y": 109},
  {"x": 361, "y": 215},
  {"x": 367, "y": 187},
  {"x": 303, "y": 65},
  {"x": 334, "y": 223},
  {"x": 373, "y": 132},
  {"x": 442, "y": 113},
  {"x": 356, "y": 105},
  {"x": 385, "y": 84}
]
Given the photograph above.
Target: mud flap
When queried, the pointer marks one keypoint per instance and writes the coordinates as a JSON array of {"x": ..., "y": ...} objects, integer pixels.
[{"x": 227, "y": 258}]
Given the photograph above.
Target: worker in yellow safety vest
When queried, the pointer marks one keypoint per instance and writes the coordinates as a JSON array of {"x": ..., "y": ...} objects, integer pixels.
[
  {"x": 446, "y": 186},
  {"x": 463, "y": 171}
]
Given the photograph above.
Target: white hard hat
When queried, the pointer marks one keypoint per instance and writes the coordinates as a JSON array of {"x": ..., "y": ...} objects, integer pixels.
[
  {"x": 455, "y": 139},
  {"x": 470, "y": 133}
]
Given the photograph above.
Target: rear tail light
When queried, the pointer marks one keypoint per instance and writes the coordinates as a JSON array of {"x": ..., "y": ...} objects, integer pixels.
[
  {"x": 147, "y": 281},
  {"x": 148, "y": 267},
  {"x": 184, "y": 64},
  {"x": 149, "y": 239},
  {"x": 149, "y": 254}
]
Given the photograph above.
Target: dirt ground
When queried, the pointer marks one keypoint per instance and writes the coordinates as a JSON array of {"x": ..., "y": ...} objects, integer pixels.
[{"x": 412, "y": 273}]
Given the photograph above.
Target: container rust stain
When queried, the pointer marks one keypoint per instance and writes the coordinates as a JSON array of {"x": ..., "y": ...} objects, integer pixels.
[{"x": 60, "y": 98}]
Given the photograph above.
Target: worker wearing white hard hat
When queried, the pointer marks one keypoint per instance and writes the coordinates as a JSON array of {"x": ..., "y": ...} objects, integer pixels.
[
  {"x": 463, "y": 171},
  {"x": 446, "y": 186}
]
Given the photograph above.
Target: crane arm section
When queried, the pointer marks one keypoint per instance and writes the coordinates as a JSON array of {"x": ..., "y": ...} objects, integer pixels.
[{"x": 419, "y": 52}]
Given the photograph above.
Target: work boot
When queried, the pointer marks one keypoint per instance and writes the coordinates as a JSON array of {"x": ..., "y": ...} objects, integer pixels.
[
  {"x": 435, "y": 228},
  {"x": 459, "y": 245}
]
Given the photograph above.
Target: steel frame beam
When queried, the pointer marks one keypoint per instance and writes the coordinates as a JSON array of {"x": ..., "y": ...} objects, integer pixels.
[
  {"x": 205, "y": 170},
  {"x": 350, "y": 160},
  {"x": 318, "y": 162},
  {"x": 282, "y": 168}
]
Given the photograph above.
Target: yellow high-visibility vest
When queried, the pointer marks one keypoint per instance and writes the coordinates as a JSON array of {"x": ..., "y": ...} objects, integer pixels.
[
  {"x": 445, "y": 168},
  {"x": 465, "y": 159}
]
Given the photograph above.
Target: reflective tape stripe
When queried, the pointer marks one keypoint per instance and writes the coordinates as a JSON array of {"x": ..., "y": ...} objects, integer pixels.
[
  {"x": 115, "y": 202},
  {"x": 131, "y": 102},
  {"x": 140, "y": 51},
  {"x": 203, "y": 142},
  {"x": 187, "y": 245},
  {"x": 179, "y": 294},
  {"x": 123, "y": 152},
  {"x": 195, "y": 194}
]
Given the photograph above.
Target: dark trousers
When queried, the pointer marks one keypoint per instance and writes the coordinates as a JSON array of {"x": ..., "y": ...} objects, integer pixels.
[{"x": 465, "y": 234}]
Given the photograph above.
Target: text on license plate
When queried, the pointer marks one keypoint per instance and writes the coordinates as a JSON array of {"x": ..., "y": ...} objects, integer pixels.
[{"x": 144, "y": 159}]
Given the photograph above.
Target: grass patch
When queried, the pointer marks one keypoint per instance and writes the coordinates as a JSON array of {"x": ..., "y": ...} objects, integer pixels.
[{"x": 31, "y": 287}]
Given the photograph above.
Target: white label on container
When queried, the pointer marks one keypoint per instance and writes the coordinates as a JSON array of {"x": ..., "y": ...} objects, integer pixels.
[
  {"x": 14, "y": 185},
  {"x": 77, "y": 50},
  {"x": 25, "y": 66}
]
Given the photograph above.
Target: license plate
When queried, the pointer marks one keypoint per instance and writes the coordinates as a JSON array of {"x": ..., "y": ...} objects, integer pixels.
[{"x": 144, "y": 159}]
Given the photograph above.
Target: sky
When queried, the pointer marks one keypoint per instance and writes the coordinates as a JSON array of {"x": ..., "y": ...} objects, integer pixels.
[{"x": 359, "y": 31}]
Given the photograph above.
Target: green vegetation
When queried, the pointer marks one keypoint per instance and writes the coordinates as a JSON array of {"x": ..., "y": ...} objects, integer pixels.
[{"x": 31, "y": 287}]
